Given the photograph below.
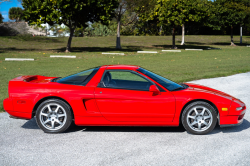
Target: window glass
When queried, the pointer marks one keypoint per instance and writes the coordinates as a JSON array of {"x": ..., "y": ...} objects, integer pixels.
[
  {"x": 81, "y": 78},
  {"x": 125, "y": 80},
  {"x": 170, "y": 85}
]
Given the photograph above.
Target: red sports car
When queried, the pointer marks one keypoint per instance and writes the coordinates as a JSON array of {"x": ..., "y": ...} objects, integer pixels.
[{"x": 120, "y": 95}]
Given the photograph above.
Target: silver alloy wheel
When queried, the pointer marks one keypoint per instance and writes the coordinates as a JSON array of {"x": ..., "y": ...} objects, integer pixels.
[
  {"x": 53, "y": 116},
  {"x": 199, "y": 118}
]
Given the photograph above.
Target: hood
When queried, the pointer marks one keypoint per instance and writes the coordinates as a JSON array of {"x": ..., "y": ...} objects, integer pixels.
[{"x": 209, "y": 90}]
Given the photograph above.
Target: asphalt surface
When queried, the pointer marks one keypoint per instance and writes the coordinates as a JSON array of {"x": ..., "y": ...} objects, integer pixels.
[{"x": 23, "y": 143}]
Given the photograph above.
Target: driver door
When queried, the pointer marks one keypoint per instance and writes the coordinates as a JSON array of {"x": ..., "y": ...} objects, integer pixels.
[{"x": 124, "y": 96}]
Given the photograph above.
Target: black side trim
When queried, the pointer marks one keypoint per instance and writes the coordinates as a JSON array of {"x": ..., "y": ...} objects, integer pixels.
[
  {"x": 232, "y": 125},
  {"x": 84, "y": 104}
]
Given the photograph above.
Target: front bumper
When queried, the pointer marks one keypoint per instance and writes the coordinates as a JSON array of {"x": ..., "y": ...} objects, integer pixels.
[{"x": 232, "y": 120}]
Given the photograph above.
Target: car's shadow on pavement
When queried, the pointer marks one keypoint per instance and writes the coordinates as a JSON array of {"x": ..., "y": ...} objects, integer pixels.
[
  {"x": 133, "y": 129},
  {"x": 31, "y": 124}
]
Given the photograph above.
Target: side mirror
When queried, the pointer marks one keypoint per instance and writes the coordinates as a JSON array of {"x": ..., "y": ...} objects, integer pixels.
[{"x": 154, "y": 89}]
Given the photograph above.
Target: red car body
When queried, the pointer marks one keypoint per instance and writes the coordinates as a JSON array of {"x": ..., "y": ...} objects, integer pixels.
[{"x": 97, "y": 106}]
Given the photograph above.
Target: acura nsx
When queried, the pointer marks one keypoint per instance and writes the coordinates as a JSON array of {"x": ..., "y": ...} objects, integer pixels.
[{"x": 120, "y": 95}]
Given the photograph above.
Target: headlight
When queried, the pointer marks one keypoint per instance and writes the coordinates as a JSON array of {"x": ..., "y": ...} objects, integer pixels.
[{"x": 239, "y": 108}]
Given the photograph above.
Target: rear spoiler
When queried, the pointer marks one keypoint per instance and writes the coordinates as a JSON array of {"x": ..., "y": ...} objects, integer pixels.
[{"x": 30, "y": 78}]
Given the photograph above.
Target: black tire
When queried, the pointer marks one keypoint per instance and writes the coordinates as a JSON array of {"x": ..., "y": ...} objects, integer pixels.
[
  {"x": 54, "y": 111},
  {"x": 196, "y": 123}
]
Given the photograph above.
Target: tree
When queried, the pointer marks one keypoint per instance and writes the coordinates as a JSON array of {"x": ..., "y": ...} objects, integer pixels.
[
  {"x": 15, "y": 13},
  {"x": 1, "y": 18},
  {"x": 128, "y": 6},
  {"x": 122, "y": 8},
  {"x": 179, "y": 12},
  {"x": 228, "y": 13},
  {"x": 73, "y": 13}
]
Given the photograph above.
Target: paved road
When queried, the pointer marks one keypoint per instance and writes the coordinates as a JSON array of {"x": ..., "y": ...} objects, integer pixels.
[{"x": 23, "y": 143}]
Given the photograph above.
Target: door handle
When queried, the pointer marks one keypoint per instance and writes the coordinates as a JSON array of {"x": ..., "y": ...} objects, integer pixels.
[{"x": 101, "y": 92}]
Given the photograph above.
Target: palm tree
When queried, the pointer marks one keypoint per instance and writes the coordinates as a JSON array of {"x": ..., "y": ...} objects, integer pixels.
[{"x": 16, "y": 13}]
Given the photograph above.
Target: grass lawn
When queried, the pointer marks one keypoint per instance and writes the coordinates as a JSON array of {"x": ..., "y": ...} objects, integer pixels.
[{"x": 179, "y": 67}]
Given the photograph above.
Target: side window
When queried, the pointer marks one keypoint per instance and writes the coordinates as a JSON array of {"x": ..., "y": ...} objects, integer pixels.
[{"x": 125, "y": 80}]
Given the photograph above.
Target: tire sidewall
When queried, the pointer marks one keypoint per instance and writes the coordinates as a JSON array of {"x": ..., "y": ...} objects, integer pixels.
[
  {"x": 203, "y": 104},
  {"x": 67, "y": 110}
]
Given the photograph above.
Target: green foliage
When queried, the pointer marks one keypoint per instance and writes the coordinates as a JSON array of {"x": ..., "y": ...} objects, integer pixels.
[
  {"x": 178, "y": 12},
  {"x": 16, "y": 13},
  {"x": 72, "y": 13},
  {"x": 102, "y": 30},
  {"x": 128, "y": 23},
  {"x": 96, "y": 29},
  {"x": 228, "y": 13},
  {"x": 1, "y": 18}
]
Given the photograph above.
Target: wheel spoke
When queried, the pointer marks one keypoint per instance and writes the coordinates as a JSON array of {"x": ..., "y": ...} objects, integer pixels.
[
  {"x": 52, "y": 124},
  {"x": 43, "y": 114},
  {"x": 60, "y": 115},
  {"x": 50, "y": 111},
  {"x": 58, "y": 121},
  {"x": 194, "y": 122},
  {"x": 48, "y": 120},
  {"x": 207, "y": 117},
  {"x": 192, "y": 117},
  {"x": 57, "y": 108},
  {"x": 203, "y": 111},
  {"x": 199, "y": 126},
  {"x": 196, "y": 112},
  {"x": 205, "y": 123}
]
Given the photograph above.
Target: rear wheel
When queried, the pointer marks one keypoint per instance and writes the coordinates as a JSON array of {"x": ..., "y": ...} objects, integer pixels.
[
  {"x": 53, "y": 116},
  {"x": 199, "y": 118}
]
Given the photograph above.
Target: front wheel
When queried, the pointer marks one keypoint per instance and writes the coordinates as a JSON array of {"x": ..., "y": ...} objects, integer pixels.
[
  {"x": 199, "y": 118},
  {"x": 53, "y": 116}
]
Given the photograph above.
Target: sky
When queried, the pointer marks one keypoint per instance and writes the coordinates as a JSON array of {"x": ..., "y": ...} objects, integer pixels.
[{"x": 5, "y": 6}]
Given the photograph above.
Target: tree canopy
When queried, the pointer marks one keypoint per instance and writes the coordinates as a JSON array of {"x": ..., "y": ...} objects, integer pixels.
[
  {"x": 15, "y": 13},
  {"x": 72, "y": 13},
  {"x": 179, "y": 12},
  {"x": 228, "y": 13}
]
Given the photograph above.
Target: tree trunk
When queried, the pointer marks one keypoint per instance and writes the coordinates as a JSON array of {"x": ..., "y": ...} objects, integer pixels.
[
  {"x": 173, "y": 39},
  {"x": 240, "y": 34},
  {"x": 118, "y": 40},
  {"x": 68, "y": 48},
  {"x": 183, "y": 35},
  {"x": 232, "y": 38},
  {"x": 161, "y": 31}
]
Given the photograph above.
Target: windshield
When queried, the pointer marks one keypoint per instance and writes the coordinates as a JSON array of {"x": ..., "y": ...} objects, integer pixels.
[
  {"x": 170, "y": 85},
  {"x": 81, "y": 78}
]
